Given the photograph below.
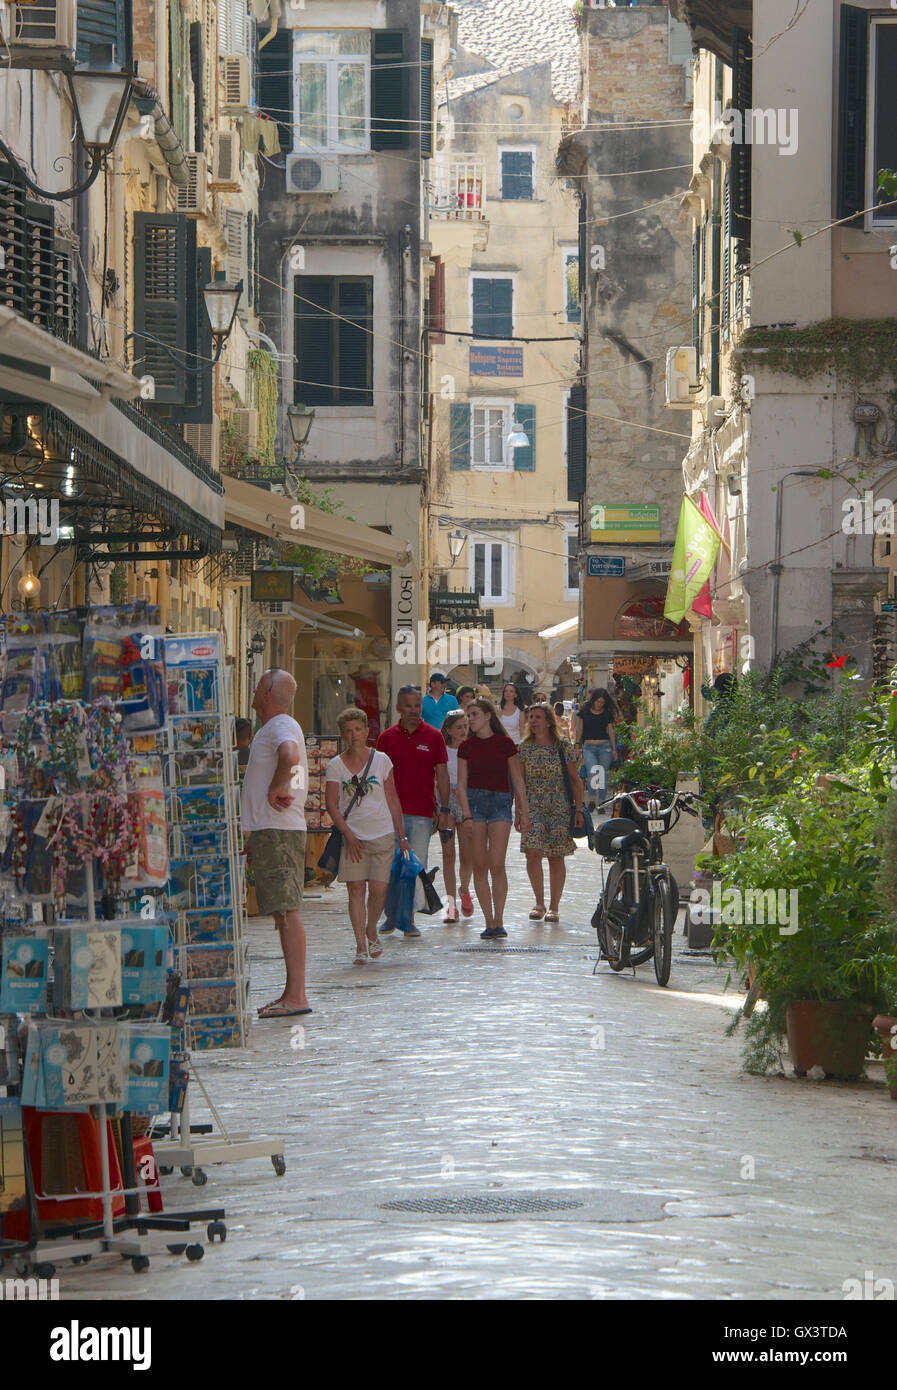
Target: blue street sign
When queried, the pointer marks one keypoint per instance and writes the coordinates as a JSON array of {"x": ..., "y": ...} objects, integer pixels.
[{"x": 607, "y": 566}]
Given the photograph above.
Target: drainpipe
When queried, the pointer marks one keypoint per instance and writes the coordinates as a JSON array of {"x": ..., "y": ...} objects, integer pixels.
[{"x": 146, "y": 99}]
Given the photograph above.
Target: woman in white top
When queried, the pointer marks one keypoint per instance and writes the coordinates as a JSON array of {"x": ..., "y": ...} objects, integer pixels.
[
  {"x": 511, "y": 713},
  {"x": 371, "y": 830},
  {"x": 455, "y": 730}
]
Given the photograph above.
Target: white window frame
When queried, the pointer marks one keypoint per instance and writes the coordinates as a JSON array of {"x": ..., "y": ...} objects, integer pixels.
[
  {"x": 331, "y": 64},
  {"x": 494, "y": 275},
  {"x": 531, "y": 150},
  {"x": 507, "y": 406},
  {"x": 506, "y": 540},
  {"x": 571, "y": 529},
  {"x": 873, "y": 222},
  {"x": 569, "y": 252}
]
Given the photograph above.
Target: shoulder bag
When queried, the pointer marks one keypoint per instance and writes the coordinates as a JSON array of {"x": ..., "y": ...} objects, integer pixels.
[
  {"x": 586, "y": 831},
  {"x": 329, "y": 860}
]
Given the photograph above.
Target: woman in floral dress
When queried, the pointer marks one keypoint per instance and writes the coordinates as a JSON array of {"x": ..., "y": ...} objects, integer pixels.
[{"x": 548, "y": 835}]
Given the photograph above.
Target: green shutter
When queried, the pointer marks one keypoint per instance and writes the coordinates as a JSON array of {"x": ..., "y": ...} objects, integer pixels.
[
  {"x": 742, "y": 85},
  {"x": 390, "y": 90},
  {"x": 727, "y": 259},
  {"x": 315, "y": 341},
  {"x": 275, "y": 84},
  {"x": 852, "y": 98},
  {"x": 695, "y": 289},
  {"x": 525, "y": 459},
  {"x": 164, "y": 258},
  {"x": 516, "y": 175},
  {"x": 196, "y": 75},
  {"x": 576, "y": 443},
  {"x": 13, "y": 241},
  {"x": 354, "y": 342},
  {"x": 179, "y": 71},
  {"x": 426, "y": 98},
  {"x": 200, "y": 393},
  {"x": 107, "y": 23},
  {"x": 493, "y": 308},
  {"x": 40, "y": 273},
  {"x": 459, "y": 434}
]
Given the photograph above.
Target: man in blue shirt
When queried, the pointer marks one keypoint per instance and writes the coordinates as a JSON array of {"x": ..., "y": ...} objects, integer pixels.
[{"x": 438, "y": 702}]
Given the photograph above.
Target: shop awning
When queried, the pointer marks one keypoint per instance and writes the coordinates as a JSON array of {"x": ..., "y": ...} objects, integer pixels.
[
  {"x": 41, "y": 367},
  {"x": 273, "y": 515}
]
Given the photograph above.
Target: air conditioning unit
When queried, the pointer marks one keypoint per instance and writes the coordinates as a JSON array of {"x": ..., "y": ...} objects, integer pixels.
[
  {"x": 715, "y": 412},
  {"x": 192, "y": 197},
  {"x": 204, "y": 439},
  {"x": 225, "y": 174},
  {"x": 246, "y": 423},
  {"x": 276, "y": 611},
  {"x": 682, "y": 380},
  {"x": 237, "y": 89},
  {"x": 305, "y": 175},
  {"x": 41, "y": 34}
]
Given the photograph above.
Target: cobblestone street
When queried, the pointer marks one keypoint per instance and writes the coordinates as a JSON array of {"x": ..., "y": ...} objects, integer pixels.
[{"x": 454, "y": 1068}]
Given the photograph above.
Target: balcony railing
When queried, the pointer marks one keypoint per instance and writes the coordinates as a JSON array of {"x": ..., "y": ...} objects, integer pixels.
[{"x": 460, "y": 190}]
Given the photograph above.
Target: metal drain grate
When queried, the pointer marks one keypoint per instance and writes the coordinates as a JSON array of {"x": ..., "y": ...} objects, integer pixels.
[
  {"x": 481, "y": 1206},
  {"x": 505, "y": 950}
]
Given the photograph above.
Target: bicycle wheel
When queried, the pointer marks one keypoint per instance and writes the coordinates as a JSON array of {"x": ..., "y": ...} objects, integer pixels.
[
  {"x": 664, "y": 918},
  {"x": 614, "y": 918}
]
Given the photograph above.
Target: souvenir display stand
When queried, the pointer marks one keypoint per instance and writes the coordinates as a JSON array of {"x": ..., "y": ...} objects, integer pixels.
[
  {"x": 204, "y": 893},
  {"x": 84, "y": 819}
]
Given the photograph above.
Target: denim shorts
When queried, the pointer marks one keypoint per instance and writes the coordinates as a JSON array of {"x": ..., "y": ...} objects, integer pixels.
[{"x": 486, "y": 806}]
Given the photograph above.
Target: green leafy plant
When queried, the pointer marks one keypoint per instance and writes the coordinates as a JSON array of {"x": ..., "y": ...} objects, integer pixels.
[
  {"x": 263, "y": 373},
  {"x": 862, "y": 351},
  {"x": 323, "y": 564}
]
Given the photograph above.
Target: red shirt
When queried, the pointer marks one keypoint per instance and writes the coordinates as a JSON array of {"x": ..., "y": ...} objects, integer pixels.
[
  {"x": 415, "y": 758},
  {"x": 487, "y": 762}
]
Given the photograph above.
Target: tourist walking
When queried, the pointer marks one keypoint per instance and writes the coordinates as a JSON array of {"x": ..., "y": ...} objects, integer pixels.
[
  {"x": 595, "y": 734},
  {"x": 362, "y": 803},
  {"x": 548, "y": 837},
  {"x": 511, "y": 713},
  {"x": 438, "y": 703},
  {"x": 488, "y": 769},
  {"x": 418, "y": 753},
  {"x": 464, "y": 695},
  {"x": 272, "y": 815},
  {"x": 455, "y": 730}
]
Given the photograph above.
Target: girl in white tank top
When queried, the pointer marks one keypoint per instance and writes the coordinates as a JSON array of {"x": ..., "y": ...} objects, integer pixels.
[{"x": 511, "y": 722}]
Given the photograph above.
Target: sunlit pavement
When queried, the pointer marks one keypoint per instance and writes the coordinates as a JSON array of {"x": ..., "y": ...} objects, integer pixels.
[{"x": 479, "y": 1082}]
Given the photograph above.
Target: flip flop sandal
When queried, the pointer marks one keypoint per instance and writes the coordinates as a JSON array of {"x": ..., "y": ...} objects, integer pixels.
[
  {"x": 537, "y": 914},
  {"x": 277, "y": 1011},
  {"x": 552, "y": 917}
]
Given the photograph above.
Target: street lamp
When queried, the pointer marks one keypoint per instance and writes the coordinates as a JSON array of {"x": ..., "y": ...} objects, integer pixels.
[
  {"x": 100, "y": 97},
  {"x": 300, "y": 420},
  {"x": 456, "y": 542},
  {"x": 518, "y": 437}
]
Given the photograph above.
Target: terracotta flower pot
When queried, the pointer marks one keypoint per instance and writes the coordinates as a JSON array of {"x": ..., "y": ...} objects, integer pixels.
[
  {"x": 886, "y": 1027},
  {"x": 832, "y": 1034}
]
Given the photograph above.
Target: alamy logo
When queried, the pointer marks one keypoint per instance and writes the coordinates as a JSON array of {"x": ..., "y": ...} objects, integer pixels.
[
  {"x": 77, "y": 1343},
  {"x": 32, "y": 1290},
  {"x": 438, "y": 647},
  {"x": 753, "y": 906},
  {"x": 754, "y": 126},
  {"x": 867, "y": 515},
  {"x": 31, "y": 516}
]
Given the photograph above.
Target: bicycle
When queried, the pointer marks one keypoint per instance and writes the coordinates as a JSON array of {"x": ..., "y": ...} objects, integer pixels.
[{"x": 636, "y": 912}]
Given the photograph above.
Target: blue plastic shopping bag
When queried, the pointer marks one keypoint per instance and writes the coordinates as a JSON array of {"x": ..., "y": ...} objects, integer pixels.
[{"x": 399, "y": 905}]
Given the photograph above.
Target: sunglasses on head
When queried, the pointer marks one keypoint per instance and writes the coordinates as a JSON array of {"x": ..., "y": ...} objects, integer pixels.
[{"x": 409, "y": 689}]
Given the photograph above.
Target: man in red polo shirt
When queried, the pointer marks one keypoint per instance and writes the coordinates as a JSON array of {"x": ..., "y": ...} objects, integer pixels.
[{"x": 416, "y": 751}]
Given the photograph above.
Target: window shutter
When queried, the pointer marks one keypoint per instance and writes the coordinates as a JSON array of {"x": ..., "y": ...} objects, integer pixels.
[
  {"x": 235, "y": 236},
  {"x": 196, "y": 76},
  {"x": 742, "y": 83},
  {"x": 516, "y": 175},
  {"x": 12, "y": 242},
  {"x": 224, "y": 35},
  {"x": 40, "y": 273},
  {"x": 354, "y": 356},
  {"x": 315, "y": 325},
  {"x": 493, "y": 303},
  {"x": 436, "y": 316},
  {"x": 727, "y": 259},
  {"x": 178, "y": 75},
  {"x": 459, "y": 434},
  {"x": 852, "y": 111},
  {"x": 200, "y": 392},
  {"x": 482, "y": 308},
  {"x": 238, "y": 26},
  {"x": 275, "y": 84},
  {"x": 65, "y": 306},
  {"x": 105, "y": 22},
  {"x": 702, "y": 286},
  {"x": 576, "y": 443},
  {"x": 164, "y": 258},
  {"x": 525, "y": 459},
  {"x": 390, "y": 90},
  {"x": 426, "y": 97},
  {"x": 695, "y": 290}
]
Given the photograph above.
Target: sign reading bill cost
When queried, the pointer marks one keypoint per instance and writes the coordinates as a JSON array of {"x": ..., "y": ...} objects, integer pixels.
[{"x": 637, "y": 525}]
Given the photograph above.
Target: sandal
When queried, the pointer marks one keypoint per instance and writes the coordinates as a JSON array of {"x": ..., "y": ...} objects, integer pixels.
[
  {"x": 360, "y": 956},
  {"x": 450, "y": 915},
  {"x": 537, "y": 913},
  {"x": 375, "y": 948},
  {"x": 552, "y": 917}
]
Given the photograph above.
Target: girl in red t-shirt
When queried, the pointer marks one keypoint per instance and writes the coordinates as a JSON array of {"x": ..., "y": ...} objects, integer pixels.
[{"x": 488, "y": 768}]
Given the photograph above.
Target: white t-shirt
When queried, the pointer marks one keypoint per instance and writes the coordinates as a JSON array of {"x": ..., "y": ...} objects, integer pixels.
[
  {"x": 453, "y": 768},
  {"x": 370, "y": 816},
  {"x": 511, "y": 724},
  {"x": 255, "y": 811}
]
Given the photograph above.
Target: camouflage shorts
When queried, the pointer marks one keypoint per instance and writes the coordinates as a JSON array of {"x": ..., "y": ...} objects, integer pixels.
[{"x": 278, "y": 862}]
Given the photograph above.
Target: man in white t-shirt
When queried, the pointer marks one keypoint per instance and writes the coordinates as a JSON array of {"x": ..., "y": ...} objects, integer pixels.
[{"x": 272, "y": 812}]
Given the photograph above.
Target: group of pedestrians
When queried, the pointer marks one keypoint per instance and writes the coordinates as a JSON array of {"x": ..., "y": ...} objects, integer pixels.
[{"x": 459, "y": 765}]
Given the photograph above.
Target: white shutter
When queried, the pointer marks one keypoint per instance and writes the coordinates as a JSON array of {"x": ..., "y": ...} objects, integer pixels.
[
  {"x": 238, "y": 26},
  {"x": 236, "y": 234},
  {"x": 224, "y": 26}
]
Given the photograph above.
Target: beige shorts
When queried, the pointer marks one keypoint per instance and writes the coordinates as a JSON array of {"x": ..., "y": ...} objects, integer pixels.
[
  {"x": 278, "y": 864},
  {"x": 374, "y": 865}
]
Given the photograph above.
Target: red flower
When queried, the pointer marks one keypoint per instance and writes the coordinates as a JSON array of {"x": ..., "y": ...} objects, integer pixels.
[{"x": 838, "y": 660}]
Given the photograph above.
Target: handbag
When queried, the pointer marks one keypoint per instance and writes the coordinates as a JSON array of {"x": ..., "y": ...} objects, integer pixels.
[
  {"x": 586, "y": 831},
  {"x": 433, "y": 902},
  {"x": 329, "y": 860}
]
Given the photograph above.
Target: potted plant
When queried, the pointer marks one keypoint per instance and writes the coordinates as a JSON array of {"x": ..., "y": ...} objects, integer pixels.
[{"x": 826, "y": 962}]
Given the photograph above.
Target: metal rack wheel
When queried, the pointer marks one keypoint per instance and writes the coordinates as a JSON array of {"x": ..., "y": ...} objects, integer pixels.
[
  {"x": 216, "y": 1228},
  {"x": 139, "y": 1263},
  {"x": 199, "y": 1177},
  {"x": 280, "y": 1164},
  {"x": 194, "y": 1252}
]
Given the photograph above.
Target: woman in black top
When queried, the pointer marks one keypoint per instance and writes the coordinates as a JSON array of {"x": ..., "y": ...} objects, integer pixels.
[{"x": 595, "y": 735}]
